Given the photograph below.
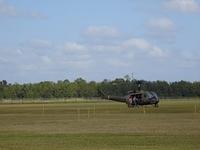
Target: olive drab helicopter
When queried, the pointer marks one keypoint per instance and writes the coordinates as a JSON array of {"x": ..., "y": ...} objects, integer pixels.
[{"x": 135, "y": 98}]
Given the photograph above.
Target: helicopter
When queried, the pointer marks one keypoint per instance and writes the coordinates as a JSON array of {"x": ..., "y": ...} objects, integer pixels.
[{"x": 134, "y": 98}]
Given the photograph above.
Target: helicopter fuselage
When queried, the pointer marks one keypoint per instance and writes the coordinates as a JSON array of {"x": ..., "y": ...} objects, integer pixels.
[
  {"x": 142, "y": 98},
  {"x": 134, "y": 99}
]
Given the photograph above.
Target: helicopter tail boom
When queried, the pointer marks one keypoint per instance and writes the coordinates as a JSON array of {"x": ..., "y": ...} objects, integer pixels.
[{"x": 114, "y": 98}]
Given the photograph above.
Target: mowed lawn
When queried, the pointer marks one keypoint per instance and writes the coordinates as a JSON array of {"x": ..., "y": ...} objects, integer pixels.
[{"x": 96, "y": 124}]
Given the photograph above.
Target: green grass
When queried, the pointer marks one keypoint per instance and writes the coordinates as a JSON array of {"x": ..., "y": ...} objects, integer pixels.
[{"x": 100, "y": 125}]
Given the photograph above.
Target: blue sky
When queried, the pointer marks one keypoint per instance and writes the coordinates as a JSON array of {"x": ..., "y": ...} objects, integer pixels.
[{"x": 99, "y": 39}]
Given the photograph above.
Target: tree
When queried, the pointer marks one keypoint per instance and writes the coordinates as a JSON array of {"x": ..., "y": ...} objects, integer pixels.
[{"x": 82, "y": 88}]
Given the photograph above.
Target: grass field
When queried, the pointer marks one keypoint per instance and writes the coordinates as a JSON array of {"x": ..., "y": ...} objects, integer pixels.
[{"x": 94, "y": 125}]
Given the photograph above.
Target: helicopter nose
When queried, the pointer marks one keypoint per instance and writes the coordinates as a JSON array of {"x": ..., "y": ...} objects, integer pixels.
[{"x": 156, "y": 99}]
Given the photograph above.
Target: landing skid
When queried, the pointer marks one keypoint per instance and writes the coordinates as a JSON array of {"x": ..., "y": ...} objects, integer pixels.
[{"x": 156, "y": 105}]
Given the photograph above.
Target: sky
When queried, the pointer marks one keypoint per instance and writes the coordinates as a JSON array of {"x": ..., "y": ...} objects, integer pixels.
[{"x": 52, "y": 40}]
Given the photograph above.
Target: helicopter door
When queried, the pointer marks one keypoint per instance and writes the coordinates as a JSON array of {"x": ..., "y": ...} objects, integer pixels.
[
  {"x": 129, "y": 101},
  {"x": 138, "y": 98}
]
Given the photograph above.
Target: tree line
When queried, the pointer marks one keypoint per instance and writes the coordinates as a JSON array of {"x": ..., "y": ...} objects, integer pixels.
[{"x": 81, "y": 88}]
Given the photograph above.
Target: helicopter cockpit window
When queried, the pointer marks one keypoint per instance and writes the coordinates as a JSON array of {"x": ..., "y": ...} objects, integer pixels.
[
  {"x": 154, "y": 94},
  {"x": 149, "y": 94},
  {"x": 145, "y": 95}
]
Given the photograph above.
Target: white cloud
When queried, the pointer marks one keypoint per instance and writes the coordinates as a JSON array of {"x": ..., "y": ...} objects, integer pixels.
[
  {"x": 183, "y": 5},
  {"x": 157, "y": 52},
  {"x": 3, "y": 60},
  {"x": 27, "y": 67},
  {"x": 102, "y": 48},
  {"x": 188, "y": 59},
  {"x": 161, "y": 25},
  {"x": 6, "y": 9},
  {"x": 118, "y": 62},
  {"x": 162, "y": 28},
  {"x": 102, "y": 31},
  {"x": 19, "y": 51},
  {"x": 137, "y": 43},
  {"x": 144, "y": 46},
  {"x": 12, "y": 11},
  {"x": 40, "y": 44},
  {"x": 42, "y": 55},
  {"x": 37, "y": 15},
  {"x": 82, "y": 56},
  {"x": 74, "y": 47},
  {"x": 46, "y": 59},
  {"x": 78, "y": 64},
  {"x": 132, "y": 46}
]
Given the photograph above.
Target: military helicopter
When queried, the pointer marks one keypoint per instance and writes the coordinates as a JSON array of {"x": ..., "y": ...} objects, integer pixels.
[{"x": 135, "y": 98}]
